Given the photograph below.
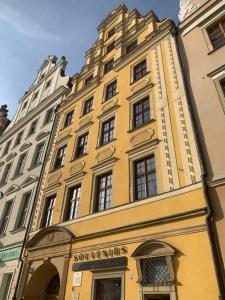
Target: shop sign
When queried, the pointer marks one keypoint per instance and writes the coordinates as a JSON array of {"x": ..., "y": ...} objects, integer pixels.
[
  {"x": 9, "y": 254},
  {"x": 100, "y": 264},
  {"x": 77, "y": 278},
  {"x": 100, "y": 254}
]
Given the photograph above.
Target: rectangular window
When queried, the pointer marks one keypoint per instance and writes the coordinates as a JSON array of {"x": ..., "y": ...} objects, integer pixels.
[
  {"x": 6, "y": 173},
  {"x": 5, "y": 285},
  {"x": 145, "y": 178},
  {"x": 21, "y": 164},
  {"x": 104, "y": 192},
  {"x": 109, "y": 289},
  {"x": 60, "y": 155},
  {"x": 48, "y": 83},
  {"x": 73, "y": 203},
  {"x": 5, "y": 217},
  {"x": 141, "y": 112},
  {"x": 131, "y": 46},
  {"x": 49, "y": 116},
  {"x": 82, "y": 145},
  {"x": 88, "y": 80},
  {"x": 38, "y": 154},
  {"x": 110, "y": 90},
  {"x": 216, "y": 33},
  {"x": 108, "y": 66},
  {"x": 20, "y": 222},
  {"x": 18, "y": 138},
  {"x": 6, "y": 149},
  {"x": 140, "y": 70},
  {"x": 110, "y": 47},
  {"x": 111, "y": 32},
  {"x": 107, "y": 133},
  {"x": 48, "y": 211},
  {"x": 88, "y": 105},
  {"x": 68, "y": 119},
  {"x": 222, "y": 84},
  {"x": 32, "y": 128}
]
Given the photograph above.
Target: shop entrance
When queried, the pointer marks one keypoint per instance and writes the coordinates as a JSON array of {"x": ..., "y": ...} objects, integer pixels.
[
  {"x": 157, "y": 297},
  {"x": 108, "y": 289},
  {"x": 52, "y": 290}
]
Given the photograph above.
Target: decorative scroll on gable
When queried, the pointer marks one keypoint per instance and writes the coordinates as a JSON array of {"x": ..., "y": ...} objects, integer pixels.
[{"x": 186, "y": 8}]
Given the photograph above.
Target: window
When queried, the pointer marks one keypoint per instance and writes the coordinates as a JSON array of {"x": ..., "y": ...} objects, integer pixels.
[
  {"x": 5, "y": 286},
  {"x": 18, "y": 138},
  {"x": 35, "y": 95},
  {"x": 141, "y": 112},
  {"x": 104, "y": 192},
  {"x": 110, "y": 47},
  {"x": 6, "y": 173},
  {"x": 107, "y": 133},
  {"x": 109, "y": 288},
  {"x": 38, "y": 154},
  {"x": 48, "y": 83},
  {"x": 48, "y": 211},
  {"x": 21, "y": 164},
  {"x": 6, "y": 149},
  {"x": 82, "y": 145},
  {"x": 5, "y": 217},
  {"x": 73, "y": 203},
  {"x": 145, "y": 178},
  {"x": 88, "y": 105},
  {"x": 111, "y": 32},
  {"x": 131, "y": 46},
  {"x": 140, "y": 70},
  {"x": 24, "y": 105},
  {"x": 68, "y": 119},
  {"x": 49, "y": 116},
  {"x": 216, "y": 34},
  {"x": 32, "y": 128},
  {"x": 110, "y": 90},
  {"x": 60, "y": 157},
  {"x": 222, "y": 84},
  {"x": 88, "y": 80},
  {"x": 20, "y": 222},
  {"x": 109, "y": 66}
]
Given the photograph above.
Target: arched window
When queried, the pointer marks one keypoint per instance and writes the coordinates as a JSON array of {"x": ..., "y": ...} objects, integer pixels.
[{"x": 155, "y": 270}]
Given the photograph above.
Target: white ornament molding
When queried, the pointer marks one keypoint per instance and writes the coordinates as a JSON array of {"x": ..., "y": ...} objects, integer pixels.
[{"x": 186, "y": 8}]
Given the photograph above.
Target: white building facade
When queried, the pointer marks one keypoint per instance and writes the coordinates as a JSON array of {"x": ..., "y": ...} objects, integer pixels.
[{"x": 23, "y": 150}]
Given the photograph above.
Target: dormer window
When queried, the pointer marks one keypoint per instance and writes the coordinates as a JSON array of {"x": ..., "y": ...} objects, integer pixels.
[
  {"x": 88, "y": 80},
  {"x": 111, "y": 32}
]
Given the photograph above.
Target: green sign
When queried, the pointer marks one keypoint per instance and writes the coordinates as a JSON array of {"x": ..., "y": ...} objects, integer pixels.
[{"x": 9, "y": 254}]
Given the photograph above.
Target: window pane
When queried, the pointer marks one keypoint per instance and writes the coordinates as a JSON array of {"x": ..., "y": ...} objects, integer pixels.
[
  {"x": 108, "y": 289},
  {"x": 104, "y": 192},
  {"x": 73, "y": 203},
  {"x": 154, "y": 271},
  {"x": 48, "y": 211}
]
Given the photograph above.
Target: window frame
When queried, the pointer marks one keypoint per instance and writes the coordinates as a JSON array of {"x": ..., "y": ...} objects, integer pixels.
[
  {"x": 35, "y": 161},
  {"x": 18, "y": 172},
  {"x": 45, "y": 213},
  {"x": 84, "y": 112},
  {"x": 103, "y": 123},
  {"x": 54, "y": 168},
  {"x": 48, "y": 84},
  {"x": 97, "y": 192},
  {"x": 109, "y": 63},
  {"x": 31, "y": 129},
  {"x": 133, "y": 45},
  {"x": 7, "y": 147},
  {"x": 69, "y": 115},
  {"x": 222, "y": 32},
  {"x": 114, "y": 92},
  {"x": 18, "y": 138},
  {"x": 111, "y": 32},
  {"x": 142, "y": 73},
  {"x": 21, "y": 210},
  {"x": 51, "y": 113},
  {"x": 136, "y": 103},
  {"x": 6, "y": 176},
  {"x": 110, "y": 47},
  {"x": 83, "y": 146},
  {"x": 3, "y": 216},
  {"x": 88, "y": 80},
  {"x": 67, "y": 200}
]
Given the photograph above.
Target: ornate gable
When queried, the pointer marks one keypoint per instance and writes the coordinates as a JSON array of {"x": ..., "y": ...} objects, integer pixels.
[
  {"x": 12, "y": 189},
  {"x": 187, "y": 7}
]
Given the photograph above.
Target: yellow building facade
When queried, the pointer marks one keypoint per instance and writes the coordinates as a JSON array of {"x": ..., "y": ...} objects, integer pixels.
[{"x": 121, "y": 213}]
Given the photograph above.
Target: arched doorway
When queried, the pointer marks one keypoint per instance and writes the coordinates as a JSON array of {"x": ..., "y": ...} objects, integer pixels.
[
  {"x": 44, "y": 284},
  {"x": 52, "y": 291}
]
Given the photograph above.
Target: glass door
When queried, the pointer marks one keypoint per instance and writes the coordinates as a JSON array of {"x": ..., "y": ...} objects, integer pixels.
[{"x": 108, "y": 289}]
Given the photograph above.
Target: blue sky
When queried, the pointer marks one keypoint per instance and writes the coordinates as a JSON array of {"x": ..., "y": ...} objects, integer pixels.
[{"x": 30, "y": 30}]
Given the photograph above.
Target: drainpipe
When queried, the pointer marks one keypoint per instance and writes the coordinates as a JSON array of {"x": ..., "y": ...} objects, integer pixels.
[
  {"x": 35, "y": 200},
  {"x": 212, "y": 233}
]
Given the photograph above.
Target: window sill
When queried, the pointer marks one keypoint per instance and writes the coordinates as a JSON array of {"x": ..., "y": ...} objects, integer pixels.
[
  {"x": 106, "y": 100},
  {"x": 17, "y": 230},
  {"x": 56, "y": 169},
  {"x": 83, "y": 115},
  {"x": 134, "y": 81},
  {"x": 79, "y": 157},
  {"x": 100, "y": 146},
  {"x": 66, "y": 127},
  {"x": 34, "y": 167},
  {"x": 214, "y": 50},
  {"x": 141, "y": 126}
]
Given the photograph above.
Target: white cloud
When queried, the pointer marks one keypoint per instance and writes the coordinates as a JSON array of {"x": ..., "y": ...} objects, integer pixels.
[{"x": 25, "y": 25}]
